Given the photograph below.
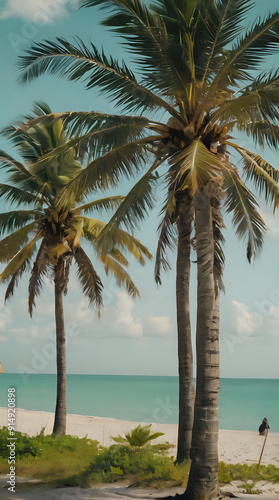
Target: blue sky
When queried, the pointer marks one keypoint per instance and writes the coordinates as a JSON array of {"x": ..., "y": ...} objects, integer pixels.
[{"x": 131, "y": 337}]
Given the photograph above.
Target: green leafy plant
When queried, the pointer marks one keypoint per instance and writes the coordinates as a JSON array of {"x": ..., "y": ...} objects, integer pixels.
[
  {"x": 245, "y": 472},
  {"x": 249, "y": 488},
  {"x": 139, "y": 436}
]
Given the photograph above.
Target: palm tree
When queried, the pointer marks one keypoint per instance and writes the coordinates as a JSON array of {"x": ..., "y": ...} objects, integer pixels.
[
  {"x": 200, "y": 71},
  {"x": 46, "y": 238}
]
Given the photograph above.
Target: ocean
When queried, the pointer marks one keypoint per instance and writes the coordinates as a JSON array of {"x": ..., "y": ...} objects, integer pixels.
[{"x": 243, "y": 402}]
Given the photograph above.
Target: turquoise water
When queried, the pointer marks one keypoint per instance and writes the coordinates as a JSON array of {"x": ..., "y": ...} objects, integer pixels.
[{"x": 243, "y": 402}]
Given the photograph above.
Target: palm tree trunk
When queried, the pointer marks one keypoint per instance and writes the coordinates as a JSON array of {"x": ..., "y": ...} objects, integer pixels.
[
  {"x": 60, "y": 410},
  {"x": 185, "y": 355},
  {"x": 203, "y": 477}
]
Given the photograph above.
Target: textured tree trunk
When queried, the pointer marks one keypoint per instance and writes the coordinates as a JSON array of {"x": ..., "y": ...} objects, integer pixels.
[
  {"x": 185, "y": 355},
  {"x": 60, "y": 410},
  {"x": 203, "y": 477}
]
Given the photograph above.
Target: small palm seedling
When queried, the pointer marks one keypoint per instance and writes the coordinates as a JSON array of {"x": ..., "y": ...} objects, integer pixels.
[{"x": 138, "y": 438}]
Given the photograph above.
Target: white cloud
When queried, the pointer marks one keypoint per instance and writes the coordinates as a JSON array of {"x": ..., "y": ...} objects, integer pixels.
[
  {"x": 118, "y": 320},
  {"x": 124, "y": 320},
  {"x": 40, "y": 12},
  {"x": 5, "y": 318},
  {"x": 244, "y": 321},
  {"x": 262, "y": 320},
  {"x": 159, "y": 326},
  {"x": 271, "y": 220}
]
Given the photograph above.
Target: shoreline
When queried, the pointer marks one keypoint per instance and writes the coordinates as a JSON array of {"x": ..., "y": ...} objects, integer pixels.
[{"x": 234, "y": 446}]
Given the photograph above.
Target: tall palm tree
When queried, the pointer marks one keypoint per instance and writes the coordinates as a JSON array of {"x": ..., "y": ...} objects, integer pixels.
[
  {"x": 199, "y": 69},
  {"x": 46, "y": 238}
]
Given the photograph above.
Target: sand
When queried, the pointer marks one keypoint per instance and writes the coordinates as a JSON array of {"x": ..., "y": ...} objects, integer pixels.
[{"x": 234, "y": 447}]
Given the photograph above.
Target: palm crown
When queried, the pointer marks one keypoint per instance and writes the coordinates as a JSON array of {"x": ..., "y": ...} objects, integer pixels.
[
  {"x": 57, "y": 228},
  {"x": 197, "y": 68}
]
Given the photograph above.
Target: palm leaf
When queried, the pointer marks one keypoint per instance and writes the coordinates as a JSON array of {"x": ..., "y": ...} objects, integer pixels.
[
  {"x": 108, "y": 203},
  {"x": 257, "y": 101},
  {"x": 247, "y": 221},
  {"x": 166, "y": 241},
  {"x": 145, "y": 35},
  {"x": 8, "y": 161},
  {"x": 89, "y": 279},
  {"x": 196, "y": 166},
  {"x": 247, "y": 53},
  {"x": 37, "y": 274},
  {"x": 78, "y": 61},
  {"x": 263, "y": 132},
  {"x": 223, "y": 19},
  {"x": 96, "y": 142},
  {"x": 10, "y": 245},
  {"x": 123, "y": 279},
  {"x": 16, "y": 277},
  {"x": 9, "y": 221},
  {"x": 107, "y": 170},
  {"x": 23, "y": 255},
  {"x": 13, "y": 194},
  {"x": 106, "y": 240},
  {"x": 138, "y": 201},
  {"x": 264, "y": 176}
]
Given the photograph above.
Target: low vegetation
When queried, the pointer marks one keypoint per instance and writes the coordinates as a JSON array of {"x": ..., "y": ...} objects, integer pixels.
[{"x": 72, "y": 461}]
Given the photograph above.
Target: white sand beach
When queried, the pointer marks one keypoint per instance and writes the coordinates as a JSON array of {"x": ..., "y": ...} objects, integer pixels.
[{"x": 234, "y": 447}]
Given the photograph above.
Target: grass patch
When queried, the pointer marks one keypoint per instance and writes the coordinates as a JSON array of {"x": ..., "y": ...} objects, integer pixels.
[
  {"x": 249, "y": 488},
  {"x": 244, "y": 472},
  {"x": 149, "y": 466},
  {"x": 47, "y": 458},
  {"x": 72, "y": 461}
]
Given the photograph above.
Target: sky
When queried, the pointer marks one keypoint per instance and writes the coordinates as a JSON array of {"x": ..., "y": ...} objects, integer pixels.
[{"x": 132, "y": 337}]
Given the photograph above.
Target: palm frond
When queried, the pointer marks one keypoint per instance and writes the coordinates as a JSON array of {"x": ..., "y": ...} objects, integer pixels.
[
  {"x": 16, "y": 277},
  {"x": 247, "y": 221},
  {"x": 8, "y": 162},
  {"x": 166, "y": 241},
  {"x": 218, "y": 224},
  {"x": 246, "y": 55},
  {"x": 138, "y": 201},
  {"x": 37, "y": 274},
  {"x": 81, "y": 122},
  {"x": 9, "y": 221},
  {"x": 257, "y": 101},
  {"x": 80, "y": 62},
  {"x": 23, "y": 255},
  {"x": 224, "y": 24},
  {"x": 262, "y": 174},
  {"x": 122, "y": 277},
  {"x": 196, "y": 166},
  {"x": 107, "y": 170},
  {"x": 109, "y": 203},
  {"x": 105, "y": 237},
  {"x": 100, "y": 139},
  {"x": 10, "y": 245},
  {"x": 13, "y": 194},
  {"x": 89, "y": 279},
  {"x": 145, "y": 34},
  {"x": 263, "y": 132}
]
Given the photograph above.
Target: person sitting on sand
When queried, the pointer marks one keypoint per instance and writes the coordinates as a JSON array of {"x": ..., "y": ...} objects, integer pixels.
[{"x": 263, "y": 429}]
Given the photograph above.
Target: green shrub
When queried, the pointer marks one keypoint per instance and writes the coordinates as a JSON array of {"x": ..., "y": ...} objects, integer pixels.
[
  {"x": 33, "y": 446},
  {"x": 244, "y": 472}
]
